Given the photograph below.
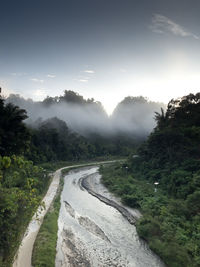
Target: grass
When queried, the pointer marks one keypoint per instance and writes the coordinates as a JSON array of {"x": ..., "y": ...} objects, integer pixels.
[{"x": 44, "y": 251}]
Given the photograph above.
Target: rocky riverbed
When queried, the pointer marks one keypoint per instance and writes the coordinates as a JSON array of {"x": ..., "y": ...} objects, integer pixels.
[{"x": 95, "y": 229}]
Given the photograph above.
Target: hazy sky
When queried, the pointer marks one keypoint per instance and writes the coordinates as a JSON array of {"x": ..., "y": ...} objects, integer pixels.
[{"x": 106, "y": 49}]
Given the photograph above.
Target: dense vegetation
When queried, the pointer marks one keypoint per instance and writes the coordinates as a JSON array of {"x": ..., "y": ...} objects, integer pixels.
[
  {"x": 21, "y": 187},
  {"x": 14, "y": 135},
  {"x": 21, "y": 183},
  {"x": 170, "y": 156},
  {"x": 52, "y": 140},
  {"x": 69, "y": 127}
]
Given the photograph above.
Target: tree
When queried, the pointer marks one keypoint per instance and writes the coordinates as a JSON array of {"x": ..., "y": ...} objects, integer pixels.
[
  {"x": 72, "y": 97},
  {"x": 14, "y": 136},
  {"x": 160, "y": 118}
]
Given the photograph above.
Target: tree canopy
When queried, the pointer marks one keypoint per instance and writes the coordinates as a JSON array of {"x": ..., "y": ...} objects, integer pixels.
[
  {"x": 14, "y": 135},
  {"x": 171, "y": 157}
]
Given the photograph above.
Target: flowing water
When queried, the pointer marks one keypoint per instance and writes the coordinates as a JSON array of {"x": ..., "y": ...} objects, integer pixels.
[{"x": 92, "y": 233}]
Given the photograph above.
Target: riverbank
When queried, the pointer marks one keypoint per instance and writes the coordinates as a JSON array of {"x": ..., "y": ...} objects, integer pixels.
[
  {"x": 96, "y": 234},
  {"x": 24, "y": 254},
  {"x": 88, "y": 185},
  {"x": 165, "y": 223}
]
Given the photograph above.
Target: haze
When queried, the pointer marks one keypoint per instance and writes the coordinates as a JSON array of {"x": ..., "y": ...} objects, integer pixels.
[{"x": 133, "y": 117}]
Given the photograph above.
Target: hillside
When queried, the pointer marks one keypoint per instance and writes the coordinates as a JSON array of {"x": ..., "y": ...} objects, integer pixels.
[{"x": 171, "y": 209}]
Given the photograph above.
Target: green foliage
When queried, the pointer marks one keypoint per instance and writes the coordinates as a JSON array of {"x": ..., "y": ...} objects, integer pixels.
[
  {"x": 22, "y": 184},
  {"x": 193, "y": 203},
  {"x": 5, "y": 162},
  {"x": 52, "y": 140},
  {"x": 170, "y": 156},
  {"x": 21, "y": 187},
  {"x": 14, "y": 136},
  {"x": 166, "y": 223}
]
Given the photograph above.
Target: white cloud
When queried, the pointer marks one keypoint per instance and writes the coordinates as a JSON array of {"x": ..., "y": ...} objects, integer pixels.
[
  {"x": 37, "y": 80},
  {"x": 18, "y": 73},
  {"x": 89, "y": 71},
  {"x": 51, "y": 76},
  {"x": 5, "y": 91},
  {"x": 162, "y": 24},
  {"x": 40, "y": 93},
  {"x": 83, "y": 80}
]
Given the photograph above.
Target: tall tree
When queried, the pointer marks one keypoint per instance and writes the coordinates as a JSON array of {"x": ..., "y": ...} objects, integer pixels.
[{"x": 14, "y": 136}]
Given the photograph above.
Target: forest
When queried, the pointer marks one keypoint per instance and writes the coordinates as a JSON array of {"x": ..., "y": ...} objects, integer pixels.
[
  {"x": 27, "y": 147},
  {"x": 72, "y": 128},
  {"x": 171, "y": 207},
  {"x": 22, "y": 184},
  {"x": 169, "y": 156}
]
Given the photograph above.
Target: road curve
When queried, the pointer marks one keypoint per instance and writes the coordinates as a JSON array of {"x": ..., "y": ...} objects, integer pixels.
[{"x": 24, "y": 254}]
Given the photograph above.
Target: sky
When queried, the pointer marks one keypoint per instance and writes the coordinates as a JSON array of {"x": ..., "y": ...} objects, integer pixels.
[{"x": 105, "y": 49}]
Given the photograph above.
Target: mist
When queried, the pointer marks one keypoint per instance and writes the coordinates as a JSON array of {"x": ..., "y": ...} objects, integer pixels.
[{"x": 133, "y": 116}]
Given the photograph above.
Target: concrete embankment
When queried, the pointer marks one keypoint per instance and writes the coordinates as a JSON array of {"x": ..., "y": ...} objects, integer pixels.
[{"x": 85, "y": 184}]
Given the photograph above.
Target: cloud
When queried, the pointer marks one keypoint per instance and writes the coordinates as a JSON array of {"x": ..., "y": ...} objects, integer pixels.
[
  {"x": 83, "y": 80},
  {"x": 5, "y": 91},
  {"x": 162, "y": 24},
  {"x": 37, "y": 80},
  {"x": 18, "y": 73},
  {"x": 40, "y": 93},
  {"x": 89, "y": 71},
  {"x": 51, "y": 76}
]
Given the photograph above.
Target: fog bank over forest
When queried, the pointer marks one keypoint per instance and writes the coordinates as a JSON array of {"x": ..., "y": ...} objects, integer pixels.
[{"x": 133, "y": 116}]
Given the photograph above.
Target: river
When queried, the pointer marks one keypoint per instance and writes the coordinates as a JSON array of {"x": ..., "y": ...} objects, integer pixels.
[{"x": 94, "y": 234}]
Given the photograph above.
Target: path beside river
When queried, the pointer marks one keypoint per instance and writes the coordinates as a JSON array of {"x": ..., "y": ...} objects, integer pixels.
[{"x": 24, "y": 254}]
